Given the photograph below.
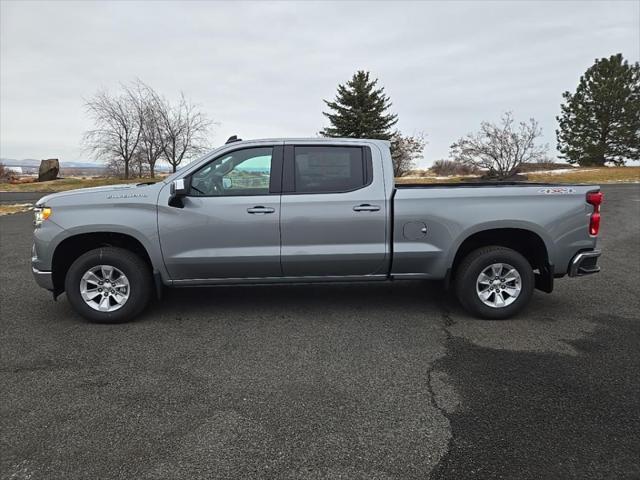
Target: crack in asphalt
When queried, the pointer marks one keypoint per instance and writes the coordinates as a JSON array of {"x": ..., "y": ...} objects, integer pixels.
[{"x": 440, "y": 389}]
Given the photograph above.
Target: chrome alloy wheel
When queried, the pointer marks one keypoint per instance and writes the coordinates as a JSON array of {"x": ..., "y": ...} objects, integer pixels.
[
  {"x": 498, "y": 285},
  {"x": 104, "y": 288}
]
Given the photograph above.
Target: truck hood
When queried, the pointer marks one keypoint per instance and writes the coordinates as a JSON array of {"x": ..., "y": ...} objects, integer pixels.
[{"x": 124, "y": 190}]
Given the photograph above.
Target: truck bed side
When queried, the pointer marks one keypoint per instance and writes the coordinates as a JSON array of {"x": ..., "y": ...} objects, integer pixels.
[{"x": 431, "y": 223}]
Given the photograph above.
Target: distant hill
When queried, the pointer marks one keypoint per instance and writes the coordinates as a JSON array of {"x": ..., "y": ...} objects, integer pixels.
[{"x": 30, "y": 162}]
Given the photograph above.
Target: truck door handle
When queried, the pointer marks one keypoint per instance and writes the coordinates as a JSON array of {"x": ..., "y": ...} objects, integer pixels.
[
  {"x": 365, "y": 207},
  {"x": 260, "y": 210}
]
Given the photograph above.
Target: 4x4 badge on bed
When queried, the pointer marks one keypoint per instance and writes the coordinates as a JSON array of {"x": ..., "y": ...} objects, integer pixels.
[{"x": 557, "y": 190}]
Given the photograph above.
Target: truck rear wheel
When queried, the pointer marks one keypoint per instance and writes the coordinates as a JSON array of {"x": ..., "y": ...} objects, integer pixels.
[
  {"x": 494, "y": 282},
  {"x": 108, "y": 285}
]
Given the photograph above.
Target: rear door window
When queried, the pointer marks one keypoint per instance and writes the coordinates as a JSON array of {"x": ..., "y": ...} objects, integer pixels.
[{"x": 328, "y": 169}]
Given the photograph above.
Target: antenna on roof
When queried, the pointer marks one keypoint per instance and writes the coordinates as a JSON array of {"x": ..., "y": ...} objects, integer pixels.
[{"x": 233, "y": 138}]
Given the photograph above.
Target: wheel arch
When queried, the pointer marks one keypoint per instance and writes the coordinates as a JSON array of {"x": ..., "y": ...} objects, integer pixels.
[
  {"x": 526, "y": 241},
  {"x": 72, "y": 247}
]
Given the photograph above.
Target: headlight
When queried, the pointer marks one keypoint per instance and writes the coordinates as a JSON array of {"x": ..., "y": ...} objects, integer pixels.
[{"x": 41, "y": 214}]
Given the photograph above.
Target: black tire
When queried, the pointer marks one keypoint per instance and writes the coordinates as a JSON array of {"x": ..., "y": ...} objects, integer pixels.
[
  {"x": 134, "y": 268},
  {"x": 474, "y": 263}
]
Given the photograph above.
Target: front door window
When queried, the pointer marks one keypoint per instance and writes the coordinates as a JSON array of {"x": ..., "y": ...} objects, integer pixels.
[{"x": 240, "y": 173}]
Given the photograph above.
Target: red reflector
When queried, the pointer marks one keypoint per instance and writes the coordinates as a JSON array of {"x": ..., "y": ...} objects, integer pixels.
[
  {"x": 594, "y": 224},
  {"x": 594, "y": 198}
]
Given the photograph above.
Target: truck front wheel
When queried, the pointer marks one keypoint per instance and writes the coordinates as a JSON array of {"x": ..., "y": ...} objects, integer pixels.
[
  {"x": 108, "y": 285},
  {"x": 494, "y": 282}
]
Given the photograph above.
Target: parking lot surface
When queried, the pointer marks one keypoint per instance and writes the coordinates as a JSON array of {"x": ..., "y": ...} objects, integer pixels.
[{"x": 381, "y": 381}]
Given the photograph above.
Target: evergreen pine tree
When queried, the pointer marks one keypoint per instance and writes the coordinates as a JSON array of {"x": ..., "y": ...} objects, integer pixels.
[
  {"x": 600, "y": 122},
  {"x": 360, "y": 110}
]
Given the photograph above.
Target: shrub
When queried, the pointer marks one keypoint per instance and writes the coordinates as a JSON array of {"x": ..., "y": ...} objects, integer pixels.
[
  {"x": 451, "y": 167},
  {"x": 501, "y": 147}
]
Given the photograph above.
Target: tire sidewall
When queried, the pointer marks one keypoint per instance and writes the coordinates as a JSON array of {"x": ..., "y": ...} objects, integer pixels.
[
  {"x": 467, "y": 287},
  {"x": 129, "y": 265}
]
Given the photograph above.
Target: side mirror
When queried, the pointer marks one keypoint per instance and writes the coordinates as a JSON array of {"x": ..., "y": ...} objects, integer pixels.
[{"x": 179, "y": 188}]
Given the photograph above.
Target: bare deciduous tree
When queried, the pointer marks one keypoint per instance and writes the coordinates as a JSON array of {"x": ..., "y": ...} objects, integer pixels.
[
  {"x": 114, "y": 167},
  {"x": 184, "y": 129},
  {"x": 405, "y": 150},
  {"x": 140, "y": 165},
  {"x": 501, "y": 148},
  {"x": 149, "y": 106},
  {"x": 139, "y": 126},
  {"x": 118, "y": 128}
]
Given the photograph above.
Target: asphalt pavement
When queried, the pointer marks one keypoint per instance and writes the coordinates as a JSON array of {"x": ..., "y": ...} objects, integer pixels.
[
  {"x": 7, "y": 198},
  {"x": 380, "y": 381}
]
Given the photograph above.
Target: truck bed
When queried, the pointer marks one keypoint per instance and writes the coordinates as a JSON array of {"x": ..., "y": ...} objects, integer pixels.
[{"x": 430, "y": 221}]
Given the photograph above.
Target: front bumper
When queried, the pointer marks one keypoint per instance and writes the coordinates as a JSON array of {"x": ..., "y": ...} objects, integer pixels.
[
  {"x": 44, "y": 279},
  {"x": 584, "y": 263}
]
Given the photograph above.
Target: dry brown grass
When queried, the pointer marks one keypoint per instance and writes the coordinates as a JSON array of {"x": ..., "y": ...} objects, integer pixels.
[
  {"x": 590, "y": 175},
  {"x": 17, "y": 208},
  {"x": 579, "y": 175},
  {"x": 68, "y": 184}
]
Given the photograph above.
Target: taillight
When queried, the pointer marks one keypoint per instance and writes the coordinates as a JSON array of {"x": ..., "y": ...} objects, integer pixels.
[{"x": 595, "y": 199}]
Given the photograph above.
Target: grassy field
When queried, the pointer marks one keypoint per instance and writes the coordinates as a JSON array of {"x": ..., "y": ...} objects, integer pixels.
[
  {"x": 578, "y": 175},
  {"x": 67, "y": 184},
  {"x": 590, "y": 175}
]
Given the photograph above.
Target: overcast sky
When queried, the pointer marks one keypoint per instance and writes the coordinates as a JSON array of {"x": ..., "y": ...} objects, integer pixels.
[{"x": 262, "y": 69}]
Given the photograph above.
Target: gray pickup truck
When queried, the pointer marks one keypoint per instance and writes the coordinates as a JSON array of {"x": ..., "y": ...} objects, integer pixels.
[{"x": 311, "y": 210}]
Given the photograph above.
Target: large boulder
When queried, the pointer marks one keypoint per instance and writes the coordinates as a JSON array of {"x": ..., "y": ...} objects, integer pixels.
[{"x": 49, "y": 170}]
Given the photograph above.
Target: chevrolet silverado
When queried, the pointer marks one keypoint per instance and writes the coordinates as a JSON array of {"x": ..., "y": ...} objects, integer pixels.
[{"x": 310, "y": 210}]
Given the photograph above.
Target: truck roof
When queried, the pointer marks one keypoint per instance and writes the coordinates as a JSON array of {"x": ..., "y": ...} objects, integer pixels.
[{"x": 315, "y": 140}]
